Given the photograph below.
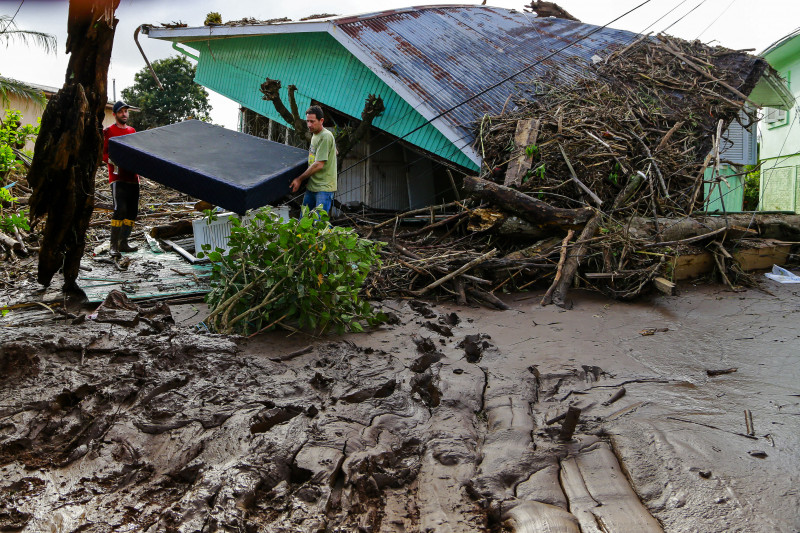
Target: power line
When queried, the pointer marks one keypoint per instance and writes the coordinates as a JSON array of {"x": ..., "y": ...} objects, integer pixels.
[
  {"x": 504, "y": 80},
  {"x": 715, "y": 20},
  {"x": 11, "y": 21},
  {"x": 685, "y": 15}
]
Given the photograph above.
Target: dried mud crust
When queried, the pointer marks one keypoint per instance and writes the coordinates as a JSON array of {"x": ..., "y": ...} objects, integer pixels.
[{"x": 105, "y": 428}]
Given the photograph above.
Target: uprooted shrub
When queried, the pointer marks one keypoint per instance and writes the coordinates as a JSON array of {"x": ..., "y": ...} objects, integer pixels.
[{"x": 295, "y": 274}]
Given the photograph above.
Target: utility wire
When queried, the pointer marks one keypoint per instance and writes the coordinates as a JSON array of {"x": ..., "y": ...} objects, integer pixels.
[
  {"x": 11, "y": 21},
  {"x": 501, "y": 82},
  {"x": 715, "y": 20},
  {"x": 685, "y": 15}
]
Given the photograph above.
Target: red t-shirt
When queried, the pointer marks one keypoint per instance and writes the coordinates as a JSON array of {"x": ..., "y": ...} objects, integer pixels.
[{"x": 121, "y": 175}]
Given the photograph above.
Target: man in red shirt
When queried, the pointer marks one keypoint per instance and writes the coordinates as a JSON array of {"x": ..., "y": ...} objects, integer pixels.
[{"x": 124, "y": 186}]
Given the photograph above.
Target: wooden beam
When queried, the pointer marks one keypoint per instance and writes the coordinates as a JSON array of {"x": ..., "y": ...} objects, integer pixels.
[{"x": 666, "y": 286}]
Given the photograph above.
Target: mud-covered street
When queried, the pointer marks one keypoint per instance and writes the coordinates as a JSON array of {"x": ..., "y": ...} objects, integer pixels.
[{"x": 448, "y": 420}]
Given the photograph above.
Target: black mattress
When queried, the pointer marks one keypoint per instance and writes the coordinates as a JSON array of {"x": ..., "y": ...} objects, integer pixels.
[{"x": 226, "y": 168}]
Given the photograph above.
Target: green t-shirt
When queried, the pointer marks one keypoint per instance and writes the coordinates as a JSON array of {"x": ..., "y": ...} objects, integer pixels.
[{"x": 323, "y": 148}]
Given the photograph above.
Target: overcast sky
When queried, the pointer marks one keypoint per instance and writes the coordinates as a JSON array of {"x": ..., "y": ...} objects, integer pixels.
[{"x": 737, "y": 24}]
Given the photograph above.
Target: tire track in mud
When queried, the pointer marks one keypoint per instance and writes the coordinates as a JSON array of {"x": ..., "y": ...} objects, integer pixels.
[{"x": 178, "y": 431}]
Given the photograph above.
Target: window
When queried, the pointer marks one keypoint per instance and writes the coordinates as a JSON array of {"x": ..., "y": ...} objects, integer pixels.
[{"x": 775, "y": 117}]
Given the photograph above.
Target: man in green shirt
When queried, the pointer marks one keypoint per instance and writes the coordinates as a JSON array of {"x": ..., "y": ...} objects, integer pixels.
[{"x": 321, "y": 171}]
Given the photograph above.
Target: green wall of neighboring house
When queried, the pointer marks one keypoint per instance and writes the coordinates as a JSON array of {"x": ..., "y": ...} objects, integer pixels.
[
  {"x": 780, "y": 141},
  {"x": 322, "y": 69}
]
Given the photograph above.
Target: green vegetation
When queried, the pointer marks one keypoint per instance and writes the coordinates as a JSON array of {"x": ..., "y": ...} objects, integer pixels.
[
  {"x": 213, "y": 18},
  {"x": 751, "y": 188},
  {"x": 9, "y": 221},
  {"x": 180, "y": 99},
  {"x": 300, "y": 273},
  {"x": 13, "y": 136},
  {"x": 10, "y": 32}
]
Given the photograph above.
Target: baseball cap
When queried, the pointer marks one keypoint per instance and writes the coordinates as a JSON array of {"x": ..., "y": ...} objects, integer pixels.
[{"x": 119, "y": 105}]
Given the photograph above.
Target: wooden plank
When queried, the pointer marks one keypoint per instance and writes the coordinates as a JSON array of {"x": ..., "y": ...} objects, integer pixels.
[
  {"x": 525, "y": 135},
  {"x": 690, "y": 266},
  {"x": 762, "y": 256},
  {"x": 666, "y": 286}
]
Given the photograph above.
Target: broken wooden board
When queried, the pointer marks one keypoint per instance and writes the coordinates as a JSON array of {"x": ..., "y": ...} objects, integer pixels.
[
  {"x": 757, "y": 256},
  {"x": 664, "y": 285},
  {"x": 525, "y": 136}
]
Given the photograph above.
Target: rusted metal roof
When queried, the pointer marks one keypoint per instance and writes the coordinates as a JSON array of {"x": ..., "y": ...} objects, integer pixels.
[
  {"x": 435, "y": 57},
  {"x": 438, "y": 56}
]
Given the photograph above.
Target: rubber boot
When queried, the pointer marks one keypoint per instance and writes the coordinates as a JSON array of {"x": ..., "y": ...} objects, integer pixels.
[
  {"x": 115, "y": 234},
  {"x": 123, "y": 240}
]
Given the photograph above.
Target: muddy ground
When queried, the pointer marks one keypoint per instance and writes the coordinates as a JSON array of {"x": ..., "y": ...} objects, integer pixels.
[{"x": 436, "y": 423}]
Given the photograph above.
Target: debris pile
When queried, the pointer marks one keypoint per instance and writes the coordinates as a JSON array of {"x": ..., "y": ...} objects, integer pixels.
[{"x": 603, "y": 170}]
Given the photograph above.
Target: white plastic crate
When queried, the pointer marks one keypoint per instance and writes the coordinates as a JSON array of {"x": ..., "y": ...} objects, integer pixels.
[{"x": 218, "y": 232}]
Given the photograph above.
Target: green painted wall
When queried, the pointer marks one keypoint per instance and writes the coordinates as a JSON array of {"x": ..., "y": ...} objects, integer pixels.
[
  {"x": 731, "y": 195},
  {"x": 322, "y": 69},
  {"x": 780, "y": 142}
]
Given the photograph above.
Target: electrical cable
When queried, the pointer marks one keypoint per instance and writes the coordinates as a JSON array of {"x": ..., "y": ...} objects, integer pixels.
[
  {"x": 715, "y": 20},
  {"x": 11, "y": 21},
  {"x": 684, "y": 16},
  {"x": 504, "y": 80}
]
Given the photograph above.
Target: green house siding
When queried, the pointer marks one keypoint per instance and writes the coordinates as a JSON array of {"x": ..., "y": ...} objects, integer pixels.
[
  {"x": 724, "y": 197},
  {"x": 780, "y": 142},
  {"x": 322, "y": 69}
]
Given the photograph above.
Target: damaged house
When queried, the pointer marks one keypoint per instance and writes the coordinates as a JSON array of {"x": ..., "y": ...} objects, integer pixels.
[{"x": 437, "y": 70}]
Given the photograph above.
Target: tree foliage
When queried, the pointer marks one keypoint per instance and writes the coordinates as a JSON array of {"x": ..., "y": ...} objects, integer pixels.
[
  {"x": 9, "y": 32},
  {"x": 301, "y": 273},
  {"x": 13, "y": 137},
  {"x": 180, "y": 99}
]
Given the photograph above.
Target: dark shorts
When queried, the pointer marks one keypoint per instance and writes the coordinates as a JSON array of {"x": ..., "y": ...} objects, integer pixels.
[{"x": 126, "y": 200}]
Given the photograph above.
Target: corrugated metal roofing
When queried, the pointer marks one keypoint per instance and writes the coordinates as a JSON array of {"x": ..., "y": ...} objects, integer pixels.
[
  {"x": 435, "y": 57},
  {"x": 443, "y": 55},
  {"x": 323, "y": 70}
]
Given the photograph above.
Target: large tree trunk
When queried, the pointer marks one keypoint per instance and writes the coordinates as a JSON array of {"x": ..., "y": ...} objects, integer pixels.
[
  {"x": 70, "y": 141},
  {"x": 773, "y": 226},
  {"x": 522, "y": 205}
]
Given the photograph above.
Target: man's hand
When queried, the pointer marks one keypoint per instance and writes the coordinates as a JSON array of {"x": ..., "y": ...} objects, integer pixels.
[
  {"x": 295, "y": 184},
  {"x": 112, "y": 167}
]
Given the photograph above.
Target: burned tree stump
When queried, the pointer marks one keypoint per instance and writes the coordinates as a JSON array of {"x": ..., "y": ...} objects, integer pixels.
[{"x": 69, "y": 144}]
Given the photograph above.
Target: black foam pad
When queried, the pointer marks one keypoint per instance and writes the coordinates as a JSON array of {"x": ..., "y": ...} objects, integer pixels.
[{"x": 233, "y": 170}]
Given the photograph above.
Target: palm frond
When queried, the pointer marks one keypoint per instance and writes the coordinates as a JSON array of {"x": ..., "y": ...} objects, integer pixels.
[
  {"x": 10, "y": 32},
  {"x": 9, "y": 87}
]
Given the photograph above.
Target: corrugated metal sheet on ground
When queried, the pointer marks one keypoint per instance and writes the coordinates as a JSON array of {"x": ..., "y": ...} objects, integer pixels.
[
  {"x": 149, "y": 275},
  {"x": 224, "y": 167}
]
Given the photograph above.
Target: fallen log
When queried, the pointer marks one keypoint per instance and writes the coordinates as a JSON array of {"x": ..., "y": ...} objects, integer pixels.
[
  {"x": 770, "y": 226},
  {"x": 500, "y": 223},
  {"x": 173, "y": 229},
  {"x": 526, "y": 207}
]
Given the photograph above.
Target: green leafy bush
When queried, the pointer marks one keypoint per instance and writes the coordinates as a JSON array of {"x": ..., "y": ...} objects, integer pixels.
[
  {"x": 13, "y": 135},
  {"x": 8, "y": 221},
  {"x": 751, "y": 188},
  {"x": 301, "y": 273}
]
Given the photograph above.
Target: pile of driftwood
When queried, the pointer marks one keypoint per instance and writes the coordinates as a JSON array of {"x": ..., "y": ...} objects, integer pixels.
[{"x": 601, "y": 172}]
